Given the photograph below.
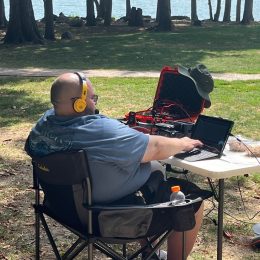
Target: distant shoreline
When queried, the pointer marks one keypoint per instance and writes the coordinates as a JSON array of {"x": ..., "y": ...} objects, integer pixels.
[{"x": 148, "y": 7}]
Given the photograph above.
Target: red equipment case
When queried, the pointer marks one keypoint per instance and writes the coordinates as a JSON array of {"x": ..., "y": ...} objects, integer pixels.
[{"x": 176, "y": 102}]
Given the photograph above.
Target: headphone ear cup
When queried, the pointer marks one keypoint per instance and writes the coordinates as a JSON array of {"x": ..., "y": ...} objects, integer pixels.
[{"x": 79, "y": 105}]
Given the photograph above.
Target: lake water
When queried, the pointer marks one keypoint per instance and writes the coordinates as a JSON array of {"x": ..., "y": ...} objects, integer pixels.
[{"x": 178, "y": 7}]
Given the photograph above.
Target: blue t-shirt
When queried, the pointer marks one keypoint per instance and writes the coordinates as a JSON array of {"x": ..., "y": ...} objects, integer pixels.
[{"x": 114, "y": 150}]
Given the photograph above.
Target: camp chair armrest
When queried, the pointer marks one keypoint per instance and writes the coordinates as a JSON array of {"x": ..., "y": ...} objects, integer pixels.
[{"x": 168, "y": 204}]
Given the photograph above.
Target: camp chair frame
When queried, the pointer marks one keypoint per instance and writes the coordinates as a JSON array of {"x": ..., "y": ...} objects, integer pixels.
[{"x": 88, "y": 238}]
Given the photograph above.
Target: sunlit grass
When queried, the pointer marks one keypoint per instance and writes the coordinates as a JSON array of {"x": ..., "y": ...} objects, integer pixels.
[
  {"x": 256, "y": 178},
  {"x": 24, "y": 100}
]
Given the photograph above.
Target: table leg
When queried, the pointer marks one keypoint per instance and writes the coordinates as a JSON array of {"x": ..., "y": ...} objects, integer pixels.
[{"x": 220, "y": 218}]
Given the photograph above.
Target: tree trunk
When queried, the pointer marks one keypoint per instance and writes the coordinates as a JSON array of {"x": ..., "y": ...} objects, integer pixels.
[
  {"x": 216, "y": 15},
  {"x": 97, "y": 8},
  {"x": 22, "y": 26},
  {"x": 227, "y": 11},
  {"x": 102, "y": 8},
  {"x": 157, "y": 11},
  {"x": 108, "y": 12},
  {"x": 91, "y": 21},
  {"x": 238, "y": 11},
  {"x": 128, "y": 9},
  {"x": 210, "y": 10},
  {"x": 131, "y": 20},
  {"x": 164, "y": 15},
  {"x": 194, "y": 16},
  {"x": 48, "y": 19},
  {"x": 248, "y": 12},
  {"x": 3, "y": 21},
  {"x": 136, "y": 17}
]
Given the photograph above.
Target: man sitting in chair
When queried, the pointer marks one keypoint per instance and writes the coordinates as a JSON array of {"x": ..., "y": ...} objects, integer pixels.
[{"x": 123, "y": 159}]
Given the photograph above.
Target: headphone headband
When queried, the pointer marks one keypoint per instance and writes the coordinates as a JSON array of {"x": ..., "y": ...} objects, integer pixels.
[
  {"x": 81, "y": 77},
  {"x": 80, "y": 104}
]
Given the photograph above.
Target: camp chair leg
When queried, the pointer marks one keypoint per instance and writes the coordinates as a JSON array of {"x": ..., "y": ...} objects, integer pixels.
[
  {"x": 90, "y": 251},
  {"x": 52, "y": 242},
  {"x": 124, "y": 250},
  {"x": 157, "y": 245},
  {"x": 37, "y": 216},
  {"x": 77, "y": 251},
  {"x": 105, "y": 249},
  {"x": 37, "y": 235},
  {"x": 72, "y": 248},
  {"x": 150, "y": 245}
]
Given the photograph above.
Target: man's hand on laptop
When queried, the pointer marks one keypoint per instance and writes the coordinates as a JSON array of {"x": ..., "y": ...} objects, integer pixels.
[{"x": 190, "y": 144}]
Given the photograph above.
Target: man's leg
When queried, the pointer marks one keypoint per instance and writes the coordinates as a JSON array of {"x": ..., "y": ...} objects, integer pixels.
[
  {"x": 174, "y": 246},
  {"x": 156, "y": 166}
]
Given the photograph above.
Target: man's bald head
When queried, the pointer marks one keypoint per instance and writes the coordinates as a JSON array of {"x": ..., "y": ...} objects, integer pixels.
[
  {"x": 65, "y": 87},
  {"x": 65, "y": 90}
]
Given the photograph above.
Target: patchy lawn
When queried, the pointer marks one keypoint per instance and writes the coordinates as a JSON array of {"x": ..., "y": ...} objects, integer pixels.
[{"x": 17, "y": 216}]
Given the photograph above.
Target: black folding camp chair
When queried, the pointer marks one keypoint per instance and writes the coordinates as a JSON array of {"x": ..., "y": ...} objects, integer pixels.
[{"x": 65, "y": 180}]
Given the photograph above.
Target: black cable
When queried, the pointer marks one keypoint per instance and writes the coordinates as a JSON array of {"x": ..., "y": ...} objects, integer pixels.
[
  {"x": 238, "y": 184},
  {"x": 177, "y": 105},
  {"x": 243, "y": 203},
  {"x": 240, "y": 220},
  {"x": 211, "y": 210},
  {"x": 214, "y": 207},
  {"x": 213, "y": 188},
  {"x": 239, "y": 188}
]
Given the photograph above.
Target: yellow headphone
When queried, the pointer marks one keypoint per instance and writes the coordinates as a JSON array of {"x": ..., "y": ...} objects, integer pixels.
[{"x": 80, "y": 104}]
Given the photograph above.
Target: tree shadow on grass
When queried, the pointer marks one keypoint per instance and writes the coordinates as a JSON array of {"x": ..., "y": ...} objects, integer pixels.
[
  {"x": 20, "y": 104},
  {"x": 138, "y": 50}
]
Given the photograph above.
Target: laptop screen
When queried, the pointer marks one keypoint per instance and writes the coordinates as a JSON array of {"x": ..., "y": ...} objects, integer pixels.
[{"x": 212, "y": 131}]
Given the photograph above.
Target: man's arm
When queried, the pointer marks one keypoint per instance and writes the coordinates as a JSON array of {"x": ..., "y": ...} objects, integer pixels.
[{"x": 160, "y": 147}]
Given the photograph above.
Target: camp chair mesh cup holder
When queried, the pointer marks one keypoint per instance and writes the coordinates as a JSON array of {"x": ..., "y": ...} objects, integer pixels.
[{"x": 65, "y": 180}]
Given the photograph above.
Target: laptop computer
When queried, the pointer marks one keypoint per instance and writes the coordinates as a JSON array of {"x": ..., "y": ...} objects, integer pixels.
[{"x": 214, "y": 133}]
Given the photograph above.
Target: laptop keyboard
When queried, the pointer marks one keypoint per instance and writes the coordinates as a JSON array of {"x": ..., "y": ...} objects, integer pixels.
[{"x": 196, "y": 155}]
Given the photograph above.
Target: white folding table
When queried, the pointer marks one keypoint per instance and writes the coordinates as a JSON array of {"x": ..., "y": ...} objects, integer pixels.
[{"x": 230, "y": 164}]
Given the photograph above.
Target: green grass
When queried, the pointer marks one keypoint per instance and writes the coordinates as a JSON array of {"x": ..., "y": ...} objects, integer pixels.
[
  {"x": 24, "y": 100},
  {"x": 223, "y": 48},
  {"x": 256, "y": 178}
]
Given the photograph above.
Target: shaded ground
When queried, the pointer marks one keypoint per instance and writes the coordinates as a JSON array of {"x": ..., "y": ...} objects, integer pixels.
[{"x": 127, "y": 47}]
